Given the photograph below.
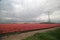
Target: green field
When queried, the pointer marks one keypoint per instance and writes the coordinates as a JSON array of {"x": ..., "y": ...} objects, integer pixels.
[{"x": 50, "y": 35}]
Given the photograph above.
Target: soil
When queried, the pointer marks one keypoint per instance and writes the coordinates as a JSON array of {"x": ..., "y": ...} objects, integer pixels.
[{"x": 26, "y": 34}]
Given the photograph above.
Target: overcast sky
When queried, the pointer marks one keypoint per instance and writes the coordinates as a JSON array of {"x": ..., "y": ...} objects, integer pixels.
[{"x": 29, "y": 10}]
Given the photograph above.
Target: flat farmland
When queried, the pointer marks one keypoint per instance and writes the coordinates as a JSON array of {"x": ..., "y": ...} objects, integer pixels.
[{"x": 6, "y": 28}]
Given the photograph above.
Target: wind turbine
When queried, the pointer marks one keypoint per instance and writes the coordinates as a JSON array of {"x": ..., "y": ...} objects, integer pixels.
[{"x": 49, "y": 17}]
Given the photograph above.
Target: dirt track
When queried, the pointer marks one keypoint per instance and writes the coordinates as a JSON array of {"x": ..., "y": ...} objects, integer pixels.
[{"x": 24, "y": 35}]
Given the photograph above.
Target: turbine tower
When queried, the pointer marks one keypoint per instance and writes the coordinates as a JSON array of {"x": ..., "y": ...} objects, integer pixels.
[{"x": 49, "y": 17}]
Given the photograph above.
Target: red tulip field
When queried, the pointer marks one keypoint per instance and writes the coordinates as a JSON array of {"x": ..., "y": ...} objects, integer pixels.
[{"x": 7, "y": 28}]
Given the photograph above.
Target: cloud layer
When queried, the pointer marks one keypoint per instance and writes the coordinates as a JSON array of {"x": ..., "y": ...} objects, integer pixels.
[{"x": 29, "y": 10}]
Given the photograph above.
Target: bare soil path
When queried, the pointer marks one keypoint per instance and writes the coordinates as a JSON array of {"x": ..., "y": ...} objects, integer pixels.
[{"x": 26, "y": 34}]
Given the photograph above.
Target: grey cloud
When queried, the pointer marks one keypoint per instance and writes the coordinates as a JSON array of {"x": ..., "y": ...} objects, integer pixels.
[{"x": 29, "y": 10}]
